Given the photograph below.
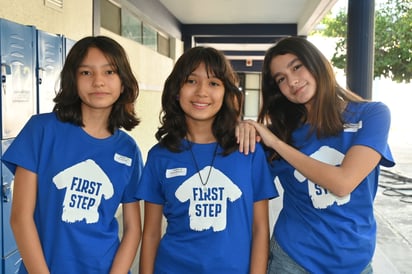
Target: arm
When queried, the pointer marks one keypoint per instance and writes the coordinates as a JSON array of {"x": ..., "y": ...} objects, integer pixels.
[
  {"x": 22, "y": 222},
  {"x": 340, "y": 180},
  {"x": 260, "y": 240},
  {"x": 152, "y": 230},
  {"x": 132, "y": 232}
]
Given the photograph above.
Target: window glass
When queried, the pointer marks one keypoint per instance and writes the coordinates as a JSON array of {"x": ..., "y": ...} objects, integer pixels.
[{"x": 131, "y": 26}]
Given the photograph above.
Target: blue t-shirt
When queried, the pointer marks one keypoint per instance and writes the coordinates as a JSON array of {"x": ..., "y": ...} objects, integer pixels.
[
  {"x": 81, "y": 183},
  {"x": 322, "y": 232},
  {"x": 209, "y": 228}
]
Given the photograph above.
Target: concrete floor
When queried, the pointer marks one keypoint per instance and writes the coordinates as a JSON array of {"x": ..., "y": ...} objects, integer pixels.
[{"x": 393, "y": 215}]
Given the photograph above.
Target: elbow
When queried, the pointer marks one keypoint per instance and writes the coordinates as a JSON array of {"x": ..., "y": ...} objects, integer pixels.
[
  {"x": 17, "y": 221},
  {"x": 342, "y": 192}
]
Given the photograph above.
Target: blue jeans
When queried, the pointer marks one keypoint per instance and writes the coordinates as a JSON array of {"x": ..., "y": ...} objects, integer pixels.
[{"x": 281, "y": 263}]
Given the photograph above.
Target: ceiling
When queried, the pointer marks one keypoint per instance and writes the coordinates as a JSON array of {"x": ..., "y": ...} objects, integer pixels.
[
  {"x": 276, "y": 16},
  {"x": 305, "y": 13}
]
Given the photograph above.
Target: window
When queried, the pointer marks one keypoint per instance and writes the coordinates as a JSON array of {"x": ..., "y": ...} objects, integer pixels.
[
  {"x": 149, "y": 37},
  {"x": 126, "y": 23},
  {"x": 131, "y": 27},
  {"x": 252, "y": 95},
  {"x": 110, "y": 16}
]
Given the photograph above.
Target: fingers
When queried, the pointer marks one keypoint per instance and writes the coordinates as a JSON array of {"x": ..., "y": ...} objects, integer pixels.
[{"x": 246, "y": 137}]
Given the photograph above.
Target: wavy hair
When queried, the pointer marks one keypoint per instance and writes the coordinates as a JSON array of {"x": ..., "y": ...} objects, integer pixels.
[
  {"x": 172, "y": 118},
  {"x": 67, "y": 101},
  {"x": 283, "y": 116}
]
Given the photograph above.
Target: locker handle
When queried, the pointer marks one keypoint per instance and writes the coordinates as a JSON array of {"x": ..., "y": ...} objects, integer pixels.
[
  {"x": 40, "y": 75},
  {"x": 6, "y": 192},
  {"x": 5, "y": 70}
]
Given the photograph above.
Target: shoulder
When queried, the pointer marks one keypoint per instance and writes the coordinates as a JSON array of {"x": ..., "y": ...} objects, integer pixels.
[
  {"x": 158, "y": 150},
  {"x": 368, "y": 106},
  {"x": 370, "y": 109},
  {"x": 125, "y": 137},
  {"x": 41, "y": 122},
  {"x": 259, "y": 150},
  {"x": 44, "y": 118}
]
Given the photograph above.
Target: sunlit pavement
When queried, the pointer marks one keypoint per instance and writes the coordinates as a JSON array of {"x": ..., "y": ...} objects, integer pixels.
[{"x": 393, "y": 203}]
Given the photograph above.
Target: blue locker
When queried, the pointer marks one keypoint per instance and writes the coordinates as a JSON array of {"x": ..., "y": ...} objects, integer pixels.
[
  {"x": 49, "y": 66},
  {"x": 10, "y": 255},
  {"x": 68, "y": 44},
  {"x": 18, "y": 96},
  {"x": 18, "y": 103}
]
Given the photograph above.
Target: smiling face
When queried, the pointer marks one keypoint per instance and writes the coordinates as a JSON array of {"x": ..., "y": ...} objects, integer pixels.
[
  {"x": 201, "y": 96},
  {"x": 295, "y": 81},
  {"x": 98, "y": 82}
]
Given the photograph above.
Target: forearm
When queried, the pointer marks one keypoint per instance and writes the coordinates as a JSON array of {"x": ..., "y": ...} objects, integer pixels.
[
  {"x": 29, "y": 246},
  {"x": 148, "y": 254},
  {"x": 260, "y": 238},
  {"x": 132, "y": 231},
  {"x": 340, "y": 179},
  {"x": 126, "y": 253},
  {"x": 260, "y": 253},
  {"x": 22, "y": 222}
]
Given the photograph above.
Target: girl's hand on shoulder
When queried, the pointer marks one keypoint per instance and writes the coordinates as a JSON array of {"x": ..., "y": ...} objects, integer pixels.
[
  {"x": 264, "y": 134},
  {"x": 247, "y": 136}
]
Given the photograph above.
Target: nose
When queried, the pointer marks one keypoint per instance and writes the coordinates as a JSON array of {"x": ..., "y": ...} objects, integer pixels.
[
  {"x": 293, "y": 82},
  {"x": 202, "y": 88},
  {"x": 98, "y": 80}
]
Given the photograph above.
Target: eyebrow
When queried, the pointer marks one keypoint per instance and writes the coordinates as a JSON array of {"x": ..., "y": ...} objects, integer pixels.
[
  {"x": 92, "y": 65},
  {"x": 294, "y": 60}
]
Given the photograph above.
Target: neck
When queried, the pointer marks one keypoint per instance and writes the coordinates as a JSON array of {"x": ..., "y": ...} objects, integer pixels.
[
  {"x": 200, "y": 138},
  {"x": 200, "y": 132},
  {"x": 96, "y": 125},
  {"x": 200, "y": 135}
]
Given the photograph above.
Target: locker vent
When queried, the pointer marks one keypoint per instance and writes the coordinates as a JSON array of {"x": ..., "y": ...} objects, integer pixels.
[{"x": 56, "y": 4}]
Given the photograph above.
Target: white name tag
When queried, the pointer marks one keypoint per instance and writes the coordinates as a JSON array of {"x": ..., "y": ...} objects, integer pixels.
[
  {"x": 180, "y": 171},
  {"x": 122, "y": 159}
]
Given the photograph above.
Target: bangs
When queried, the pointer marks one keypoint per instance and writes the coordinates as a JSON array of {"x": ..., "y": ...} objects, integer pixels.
[{"x": 213, "y": 65}]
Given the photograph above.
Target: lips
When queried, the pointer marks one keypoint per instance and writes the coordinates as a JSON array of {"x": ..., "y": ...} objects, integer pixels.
[{"x": 200, "y": 105}]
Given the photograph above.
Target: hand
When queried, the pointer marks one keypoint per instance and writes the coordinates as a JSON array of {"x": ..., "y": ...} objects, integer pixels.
[
  {"x": 264, "y": 134},
  {"x": 247, "y": 136}
]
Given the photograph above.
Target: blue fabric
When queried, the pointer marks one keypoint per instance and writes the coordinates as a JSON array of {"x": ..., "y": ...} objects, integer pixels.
[
  {"x": 322, "y": 232},
  {"x": 209, "y": 228},
  {"x": 81, "y": 182}
]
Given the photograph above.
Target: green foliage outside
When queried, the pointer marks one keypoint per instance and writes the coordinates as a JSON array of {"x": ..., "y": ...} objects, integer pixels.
[{"x": 393, "y": 39}]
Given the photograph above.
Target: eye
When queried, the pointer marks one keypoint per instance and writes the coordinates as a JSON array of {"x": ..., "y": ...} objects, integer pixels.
[
  {"x": 85, "y": 72},
  {"x": 110, "y": 72},
  {"x": 297, "y": 67},
  {"x": 215, "y": 83},
  {"x": 190, "y": 81},
  {"x": 279, "y": 80}
]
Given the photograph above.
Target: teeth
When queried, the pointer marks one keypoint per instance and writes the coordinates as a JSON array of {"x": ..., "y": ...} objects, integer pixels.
[{"x": 200, "y": 105}]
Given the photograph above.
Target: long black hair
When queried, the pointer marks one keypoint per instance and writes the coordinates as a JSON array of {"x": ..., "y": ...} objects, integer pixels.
[
  {"x": 281, "y": 115},
  {"x": 68, "y": 102},
  {"x": 172, "y": 118}
]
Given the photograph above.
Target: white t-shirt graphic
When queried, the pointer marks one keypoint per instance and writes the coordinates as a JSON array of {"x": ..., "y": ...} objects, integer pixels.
[
  {"x": 321, "y": 197},
  {"x": 85, "y": 184},
  {"x": 208, "y": 203}
]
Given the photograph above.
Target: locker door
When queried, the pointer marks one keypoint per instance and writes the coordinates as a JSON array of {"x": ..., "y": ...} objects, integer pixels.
[
  {"x": 68, "y": 44},
  {"x": 18, "y": 97},
  {"x": 9, "y": 245},
  {"x": 49, "y": 65}
]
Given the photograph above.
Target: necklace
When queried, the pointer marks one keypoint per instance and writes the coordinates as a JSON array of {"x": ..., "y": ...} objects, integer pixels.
[{"x": 204, "y": 183}]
